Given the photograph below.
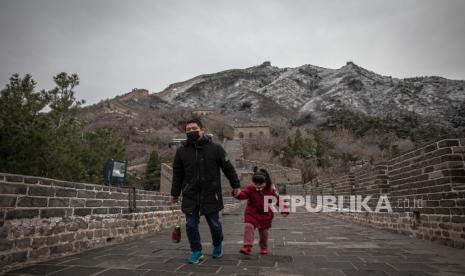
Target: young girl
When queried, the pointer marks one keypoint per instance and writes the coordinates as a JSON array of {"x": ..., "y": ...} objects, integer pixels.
[{"x": 255, "y": 215}]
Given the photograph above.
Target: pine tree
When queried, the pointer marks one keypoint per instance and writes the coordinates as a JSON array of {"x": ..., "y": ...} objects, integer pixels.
[
  {"x": 153, "y": 172},
  {"x": 23, "y": 128},
  {"x": 51, "y": 144}
]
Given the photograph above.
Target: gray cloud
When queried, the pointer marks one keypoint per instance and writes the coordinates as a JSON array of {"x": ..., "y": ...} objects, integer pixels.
[{"x": 117, "y": 45}]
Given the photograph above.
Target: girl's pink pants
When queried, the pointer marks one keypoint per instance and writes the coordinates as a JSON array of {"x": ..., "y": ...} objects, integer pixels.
[{"x": 249, "y": 231}]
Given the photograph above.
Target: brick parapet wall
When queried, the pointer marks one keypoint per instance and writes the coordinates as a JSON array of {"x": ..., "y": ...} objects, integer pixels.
[
  {"x": 425, "y": 186},
  {"x": 42, "y": 218},
  {"x": 31, "y": 197}
]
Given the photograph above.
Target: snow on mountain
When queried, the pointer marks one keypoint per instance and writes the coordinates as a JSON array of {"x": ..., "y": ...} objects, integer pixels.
[{"x": 269, "y": 91}]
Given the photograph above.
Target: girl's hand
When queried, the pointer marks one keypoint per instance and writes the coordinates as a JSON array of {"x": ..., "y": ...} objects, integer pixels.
[{"x": 236, "y": 192}]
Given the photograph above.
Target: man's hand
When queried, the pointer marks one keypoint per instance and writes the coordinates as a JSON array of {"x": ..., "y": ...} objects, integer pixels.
[
  {"x": 174, "y": 199},
  {"x": 236, "y": 192}
]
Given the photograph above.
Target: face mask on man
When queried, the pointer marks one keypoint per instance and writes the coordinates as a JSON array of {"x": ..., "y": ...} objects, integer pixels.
[{"x": 192, "y": 136}]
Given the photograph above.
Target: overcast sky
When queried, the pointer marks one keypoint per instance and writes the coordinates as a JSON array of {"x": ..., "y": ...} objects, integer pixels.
[{"x": 117, "y": 45}]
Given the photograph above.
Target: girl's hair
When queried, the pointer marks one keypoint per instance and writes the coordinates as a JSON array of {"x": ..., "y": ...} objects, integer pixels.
[{"x": 263, "y": 172}]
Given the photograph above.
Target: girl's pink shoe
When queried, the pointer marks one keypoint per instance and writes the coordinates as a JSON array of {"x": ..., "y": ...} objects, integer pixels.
[
  {"x": 263, "y": 250},
  {"x": 246, "y": 250}
]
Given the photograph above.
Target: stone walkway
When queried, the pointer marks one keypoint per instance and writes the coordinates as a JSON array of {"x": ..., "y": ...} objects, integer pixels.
[{"x": 301, "y": 244}]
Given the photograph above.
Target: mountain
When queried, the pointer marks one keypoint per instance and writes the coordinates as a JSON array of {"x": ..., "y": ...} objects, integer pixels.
[
  {"x": 281, "y": 96},
  {"x": 269, "y": 91}
]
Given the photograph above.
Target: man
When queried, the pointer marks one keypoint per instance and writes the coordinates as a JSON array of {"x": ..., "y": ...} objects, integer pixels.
[{"x": 196, "y": 174}]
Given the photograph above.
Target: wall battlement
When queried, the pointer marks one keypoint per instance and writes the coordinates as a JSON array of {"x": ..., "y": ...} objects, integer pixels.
[
  {"x": 135, "y": 93},
  {"x": 425, "y": 187}
]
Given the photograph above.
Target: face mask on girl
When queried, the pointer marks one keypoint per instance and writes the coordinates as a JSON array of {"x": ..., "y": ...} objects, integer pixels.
[{"x": 258, "y": 189}]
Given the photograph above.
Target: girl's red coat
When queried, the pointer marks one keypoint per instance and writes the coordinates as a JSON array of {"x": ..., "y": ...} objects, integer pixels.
[{"x": 254, "y": 211}]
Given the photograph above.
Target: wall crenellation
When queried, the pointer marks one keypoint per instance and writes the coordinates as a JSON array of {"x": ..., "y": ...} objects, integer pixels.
[{"x": 425, "y": 187}]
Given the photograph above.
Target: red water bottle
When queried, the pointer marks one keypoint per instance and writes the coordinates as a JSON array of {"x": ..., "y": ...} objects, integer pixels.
[{"x": 176, "y": 234}]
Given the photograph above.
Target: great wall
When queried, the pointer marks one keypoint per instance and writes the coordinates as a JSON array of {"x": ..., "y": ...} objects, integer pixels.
[
  {"x": 41, "y": 219},
  {"x": 425, "y": 186}
]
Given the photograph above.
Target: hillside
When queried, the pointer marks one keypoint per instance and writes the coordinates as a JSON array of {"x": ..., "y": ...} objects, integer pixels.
[
  {"x": 269, "y": 91},
  {"x": 288, "y": 98}
]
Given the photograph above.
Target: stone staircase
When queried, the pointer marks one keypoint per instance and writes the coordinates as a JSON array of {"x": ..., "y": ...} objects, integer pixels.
[{"x": 234, "y": 150}]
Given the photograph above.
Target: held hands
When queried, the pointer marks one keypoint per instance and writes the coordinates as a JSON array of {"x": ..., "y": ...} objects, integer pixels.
[{"x": 235, "y": 192}]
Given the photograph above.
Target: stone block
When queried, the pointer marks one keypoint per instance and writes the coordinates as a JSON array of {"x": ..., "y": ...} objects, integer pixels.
[
  {"x": 93, "y": 203},
  {"x": 41, "y": 191},
  {"x": 456, "y": 172},
  {"x": 119, "y": 196},
  {"x": 7, "y": 201},
  {"x": 13, "y": 189},
  {"x": 99, "y": 211},
  {"x": 23, "y": 243},
  {"x": 109, "y": 203},
  {"x": 17, "y": 257},
  {"x": 22, "y": 213},
  {"x": 6, "y": 245},
  {"x": 114, "y": 210},
  {"x": 74, "y": 202},
  {"x": 54, "y": 212},
  {"x": 80, "y": 186},
  {"x": 67, "y": 237},
  {"x": 39, "y": 253},
  {"x": 60, "y": 192},
  {"x": 32, "y": 201},
  {"x": 58, "y": 202},
  {"x": 65, "y": 184},
  {"x": 104, "y": 195},
  {"x": 86, "y": 194},
  {"x": 77, "y": 224},
  {"x": 31, "y": 180},
  {"x": 81, "y": 212},
  {"x": 14, "y": 178}
]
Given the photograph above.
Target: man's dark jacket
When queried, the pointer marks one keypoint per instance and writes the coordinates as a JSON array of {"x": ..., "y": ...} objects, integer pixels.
[{"x": 196, "y": 175}]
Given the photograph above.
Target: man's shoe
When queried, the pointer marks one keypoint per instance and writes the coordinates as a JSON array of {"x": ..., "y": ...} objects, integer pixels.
[
  {"x": 217, "y": 251},
  {"x": 246, "y": 250},
  {"x": 263, "y": 250},
  {"x": 196, "y": 257}
]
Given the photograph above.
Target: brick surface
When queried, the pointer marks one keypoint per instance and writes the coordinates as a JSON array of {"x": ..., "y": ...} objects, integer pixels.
[{"x": 300, "y": 244}]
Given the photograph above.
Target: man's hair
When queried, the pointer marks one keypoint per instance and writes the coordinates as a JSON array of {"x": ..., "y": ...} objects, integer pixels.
[{"x": 195, "y": 121}]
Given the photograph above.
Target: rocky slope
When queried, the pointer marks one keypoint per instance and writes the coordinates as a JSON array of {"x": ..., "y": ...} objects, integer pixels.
[
  {"x": 270, "y": 91},
  {"x": 279, "y": 95}
]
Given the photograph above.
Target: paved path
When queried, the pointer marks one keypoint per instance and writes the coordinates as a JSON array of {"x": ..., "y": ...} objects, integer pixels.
[{"x": 301, "y": 244}]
